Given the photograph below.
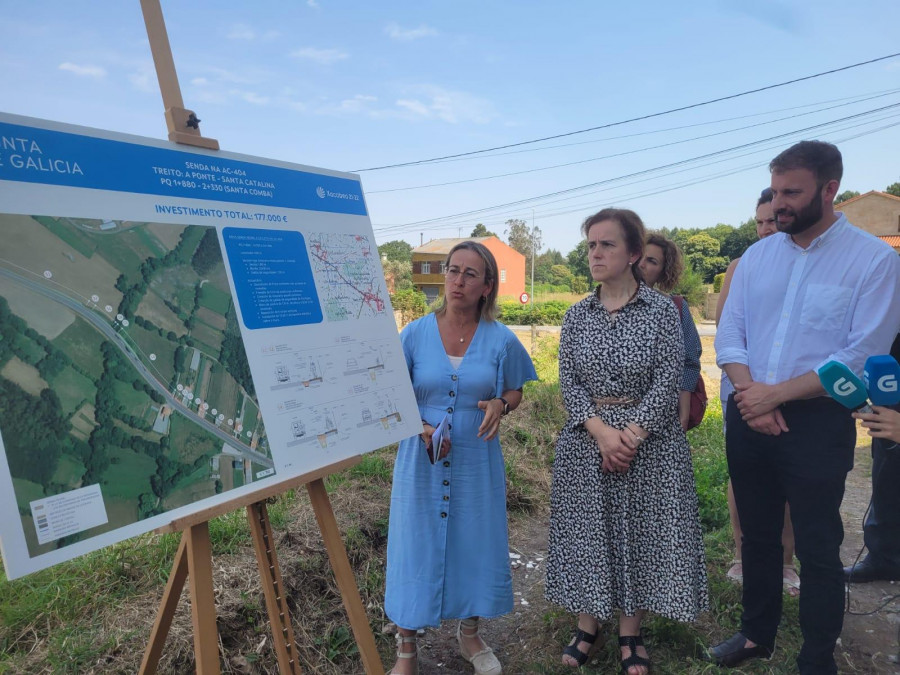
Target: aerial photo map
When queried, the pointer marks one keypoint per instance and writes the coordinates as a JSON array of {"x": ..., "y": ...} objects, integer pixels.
[{"x": 124, "y": 378}]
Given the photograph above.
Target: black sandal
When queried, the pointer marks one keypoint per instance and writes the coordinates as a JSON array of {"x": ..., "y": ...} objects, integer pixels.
[
  {"x": 573, "y": 651},
  {"x": 633, "y": 642}
]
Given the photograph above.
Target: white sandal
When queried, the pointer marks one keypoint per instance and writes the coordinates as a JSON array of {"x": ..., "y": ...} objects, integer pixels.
[
  {"x": 737, "y": 577},
  {"x": 484, "y": 662},
  {"x": 401, "y": 640}
]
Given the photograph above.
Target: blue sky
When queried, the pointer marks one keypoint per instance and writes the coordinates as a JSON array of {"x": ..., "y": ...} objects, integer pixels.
[{"x": 355, "y": 85}]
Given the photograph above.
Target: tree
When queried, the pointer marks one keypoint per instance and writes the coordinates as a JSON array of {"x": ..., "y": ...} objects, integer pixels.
[
  {"x": 577, "y": 259},
  {"x": 523, "y": 238},
  {"x": 395, "y": 250},
  {"x": 397, "y": 274},
  {"x": 544, "y": 262},
  {"x": 481, "y": 231},
  {"x": 739, "y": 240},
  {"x": 845, "y": 195},
  {"x": 702, "y": 253},
  {"x": 893, "y": 189},
  {"x": 690, "y": 286}
]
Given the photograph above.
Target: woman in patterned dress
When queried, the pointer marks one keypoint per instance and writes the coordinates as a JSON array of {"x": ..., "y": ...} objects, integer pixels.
[
  {"x": 448, "y": 553},
  {"x": 661, "y": 268},
  {"x": 624, "y": 526}
]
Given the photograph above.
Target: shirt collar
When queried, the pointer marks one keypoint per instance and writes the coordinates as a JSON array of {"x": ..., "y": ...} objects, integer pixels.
[{"x": 829, "y": 234}]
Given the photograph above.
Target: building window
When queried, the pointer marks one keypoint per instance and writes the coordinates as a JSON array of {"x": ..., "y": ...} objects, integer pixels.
[
  {"x": 426, "y": 268},
  {"x": 443, "y": 268},
  {"x": 502, "y": 276}
]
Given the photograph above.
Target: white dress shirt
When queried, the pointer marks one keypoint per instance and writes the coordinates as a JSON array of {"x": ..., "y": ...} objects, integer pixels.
[{"x": 791, "y": 309}]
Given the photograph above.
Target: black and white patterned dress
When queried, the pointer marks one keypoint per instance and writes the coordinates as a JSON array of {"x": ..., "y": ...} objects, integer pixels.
[{"x": 628, "y": 540}]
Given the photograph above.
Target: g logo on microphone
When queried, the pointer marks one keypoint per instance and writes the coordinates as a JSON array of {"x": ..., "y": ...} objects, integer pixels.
[
  {"x": 887, "y": 383},
  {"x": 843, "y": 387}
]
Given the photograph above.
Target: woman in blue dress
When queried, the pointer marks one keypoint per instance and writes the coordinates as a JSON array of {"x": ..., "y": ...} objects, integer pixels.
[{"x": 448, "y": 554}]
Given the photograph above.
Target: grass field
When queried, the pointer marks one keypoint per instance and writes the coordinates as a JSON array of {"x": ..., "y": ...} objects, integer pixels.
[
  {"x": 177, "y": 285},
  {"x": 81, "y": 343},
  {"x": 225, "y": 391},
  {"x": 69, "y": 471},
  {"x": 150, "y": 342},
  {"x": 73, "y": 389},
  {"x": 128, "y": 474},
  {"x": 209, "y": 336},
  {"x": 215, "y": 299},
  {"x": 154, "y": 310},
  {"x": 26, "y": 492},
  {"x": 134, "y": 402},
  {"x": 32, "y": 350},
  {"x": 80, "y": 241},
  {"x": 216, "y": 321},
  {"x": 187, "y": 441},
  {"x": 125, "y": 251},
  {"x": 24, "y": 375}
]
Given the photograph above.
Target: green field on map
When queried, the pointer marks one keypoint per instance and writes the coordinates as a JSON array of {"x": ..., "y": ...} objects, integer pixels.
[{"x": 121, "y": 365}]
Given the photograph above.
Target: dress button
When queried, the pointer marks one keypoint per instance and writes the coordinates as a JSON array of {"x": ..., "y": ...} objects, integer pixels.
[
  {"x": 443, "y": 514},
  {"x": 453, "y": 377},
  {"x": 450, "y": 409},
  {"x": 452, "y": 394},
  {"x": 446, "y": 498},
  {"x": 446, "y": 463},
  {"x": 446, "y": 482}
]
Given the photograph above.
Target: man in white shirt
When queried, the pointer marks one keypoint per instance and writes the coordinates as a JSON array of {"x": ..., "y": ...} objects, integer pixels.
[{"x": 819, "y": 290}]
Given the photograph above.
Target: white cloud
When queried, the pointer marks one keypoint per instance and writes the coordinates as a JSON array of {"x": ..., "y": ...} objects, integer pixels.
[
  {"x": 313, "y": 4},
  {"x": 143, "y": 78},
  {"x": 83, "y": 71},
  {"x": 252, "y": 97},
  {"x": 395, "y": 32},
  {"x": 415, "y": 107},
  {"x": 356, "y": 104},
  {"x": 324, "y": 57},
  {"x": 199, "y": 82},
  {"x": 434, "y": 102},
  {"x": 241, "y": 31}
]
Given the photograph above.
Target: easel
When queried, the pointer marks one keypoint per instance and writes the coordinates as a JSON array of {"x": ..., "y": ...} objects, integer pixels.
[{"x": 193, "y": 560}]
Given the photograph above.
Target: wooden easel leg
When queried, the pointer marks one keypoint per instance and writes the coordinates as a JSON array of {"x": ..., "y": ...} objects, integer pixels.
[
  {"x": 166, "y": 611},
  {"x": 203, "y": 602},
  {"x": 343, "y": 574},
  {"x": 273, "y": 589}
]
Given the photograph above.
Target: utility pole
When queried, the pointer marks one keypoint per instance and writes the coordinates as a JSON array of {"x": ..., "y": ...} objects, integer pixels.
[{"x": 532, "y": 281}]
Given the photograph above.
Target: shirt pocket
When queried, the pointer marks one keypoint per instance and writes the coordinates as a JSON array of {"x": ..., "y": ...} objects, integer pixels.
[{"x": 825, "y": 307}]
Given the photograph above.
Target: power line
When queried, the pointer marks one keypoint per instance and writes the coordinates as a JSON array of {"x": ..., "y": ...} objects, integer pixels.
[
  {"x": 617, "y": 154},
  {"x": 618, "y": 198},
  {"x": 637, "y": 119},
  {"x": 651, "y": 170}
]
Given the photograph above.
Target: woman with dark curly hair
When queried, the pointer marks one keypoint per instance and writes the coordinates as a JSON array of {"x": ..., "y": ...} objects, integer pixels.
[{"x": 661, "y": 268}]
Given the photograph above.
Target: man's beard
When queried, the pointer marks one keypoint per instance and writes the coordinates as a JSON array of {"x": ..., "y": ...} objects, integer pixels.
[{"x": 804, "y": 219}]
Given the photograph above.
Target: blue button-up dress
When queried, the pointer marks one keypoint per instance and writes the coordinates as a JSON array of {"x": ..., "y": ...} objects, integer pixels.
[{"x": 448, "y": 554}]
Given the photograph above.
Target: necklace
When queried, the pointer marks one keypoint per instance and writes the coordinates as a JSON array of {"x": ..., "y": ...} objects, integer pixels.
[{"x": 613, "y": 312}]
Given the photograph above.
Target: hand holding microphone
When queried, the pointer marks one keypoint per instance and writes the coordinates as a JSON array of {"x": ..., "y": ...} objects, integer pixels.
[
  {"x": 881, "y": 375},
  {"x": 844, "y": 386}
]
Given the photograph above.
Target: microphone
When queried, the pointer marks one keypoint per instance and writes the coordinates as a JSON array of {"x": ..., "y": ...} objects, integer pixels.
[
  {"x": 844, "y": 386},
  {"x": 881, "y": 376}
]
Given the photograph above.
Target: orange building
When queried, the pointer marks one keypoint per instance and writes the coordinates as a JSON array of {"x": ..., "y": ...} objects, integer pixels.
[
  {"x": 877, "y": 213},
  {"x": 428, "y": 266}
]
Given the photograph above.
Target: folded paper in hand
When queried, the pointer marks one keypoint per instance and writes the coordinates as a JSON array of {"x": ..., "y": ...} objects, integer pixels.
[{"x": 437, "y": 438}]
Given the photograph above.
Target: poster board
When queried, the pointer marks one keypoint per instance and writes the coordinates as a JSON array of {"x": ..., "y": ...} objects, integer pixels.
[{"x": 177, "y": 327}]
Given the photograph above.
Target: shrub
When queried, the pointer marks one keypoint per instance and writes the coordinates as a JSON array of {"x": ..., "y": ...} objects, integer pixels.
[
  {"x": 547, "y": 313},
  {"x": 718, "y": 280}
]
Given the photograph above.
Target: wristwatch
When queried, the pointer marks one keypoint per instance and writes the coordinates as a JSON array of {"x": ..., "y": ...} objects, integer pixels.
[{"x": 505, "y": 404}]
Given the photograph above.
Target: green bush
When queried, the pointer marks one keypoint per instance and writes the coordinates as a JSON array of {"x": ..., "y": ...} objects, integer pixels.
[
  {"x": 547, "y": 313},
  {"x": 411, "y": 304},
  {"x": 718, "y": 280}
]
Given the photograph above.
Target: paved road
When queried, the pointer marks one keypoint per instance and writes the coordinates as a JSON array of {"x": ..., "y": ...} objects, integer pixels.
[{"x": 108, "y": 331}]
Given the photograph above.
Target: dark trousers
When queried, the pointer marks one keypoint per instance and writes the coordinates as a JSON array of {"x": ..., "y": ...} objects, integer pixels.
[
  {"x": 806, "y": 467},
  {"x": 882, "y": 528}
]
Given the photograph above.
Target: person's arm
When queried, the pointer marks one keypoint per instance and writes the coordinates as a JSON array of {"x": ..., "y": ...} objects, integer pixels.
[
  {"x": 693, "y": 349},
  {"x": 660, "y": 401},
  {"x": 726, "y": 285},
  {"x": 577, "y": 399}
]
